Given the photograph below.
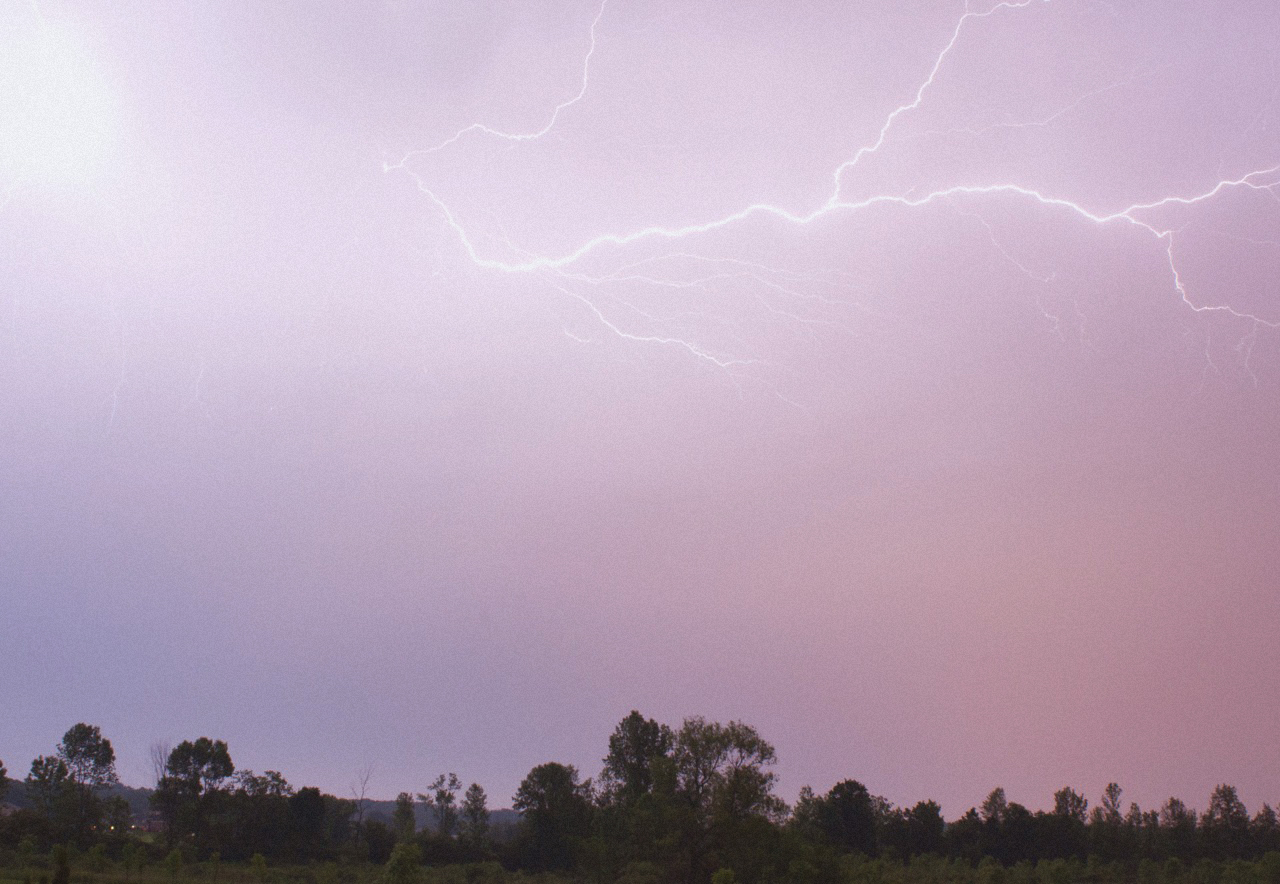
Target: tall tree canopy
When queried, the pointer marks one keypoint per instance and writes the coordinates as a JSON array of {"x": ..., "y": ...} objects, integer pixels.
[
  {"x": 635, "y": 745},
  {"x": 190, "y": 791},
  {"x": 90, "y": 759},
  {"x": 556, "y": 815}
]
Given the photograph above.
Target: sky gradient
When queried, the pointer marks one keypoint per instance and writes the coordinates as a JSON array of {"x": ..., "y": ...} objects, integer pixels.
[{"x": 425, "y": 385}]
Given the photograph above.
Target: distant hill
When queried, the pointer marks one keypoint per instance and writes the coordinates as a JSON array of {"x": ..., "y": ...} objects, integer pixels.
[{"x": 138, "y": 799}]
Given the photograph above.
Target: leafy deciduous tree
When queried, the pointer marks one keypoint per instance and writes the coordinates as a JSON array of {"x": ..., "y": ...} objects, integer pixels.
[
  {"x": 720, "y": 770},
  {"x": 925, "y": 828},
  {"x": 475, "y": 816},
  {"x": 555, "y": 811},
  {"x": 403, "y": 820},
  {"x": 442, "y": 801},
  {"x": 1225, "y": 825},
  {"x": 88, "y": 755},
  {"x": 307, "y": 814},
  {"x": 994, "y": 806},
  {"x": 844, "y": 817},
  {"x": 634, "y": 746},
  {"x": 201, "y": 765},
  {"x": 1109, "y": 811},
  {"x": 1069, "y": 803},
  {"x": 91, "y": 765},
  {"x": 1178, "y": 829},
  {"x": 1266, "y": 830},
  {"x": 46, "y": 783},
  {"x": 191, "y": 788}
]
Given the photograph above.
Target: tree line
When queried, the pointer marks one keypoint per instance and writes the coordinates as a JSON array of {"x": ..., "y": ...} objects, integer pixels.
[{"x": 694, "y": 803}]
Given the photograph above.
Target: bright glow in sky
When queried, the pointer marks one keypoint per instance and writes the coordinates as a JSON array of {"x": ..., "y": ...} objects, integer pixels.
[
  {"x": 56, "y": 112},
  {"x": 425, "y": 385}
]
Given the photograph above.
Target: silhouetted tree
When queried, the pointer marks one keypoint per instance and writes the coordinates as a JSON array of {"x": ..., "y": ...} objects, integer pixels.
[
  {"x": 673, "y": 806},
  {"x": 844, "y": 817},
  {"x": 339, "y": 822},
  {"x": 200, "y": 766},
  {"x": 1063, "y": 833},
  {"x": 1178, "y": 829},
  {"x": 255, "y": 817},
  {"x": 1265, "y": 830},
  {"x": 64, "y": 787},
  {"x": 1142, "y": 833},
  {"x": 1111, "y": 803},
  {"x": 1069, "y": 803},
  {"x": 964, "y": 836},
  {"x": 46, "y": 785},
  {"x": 634, "y": 747},
  {"x": 442, "y": 801},
  {"x": 640, "y": 820},
  {"x": 1224, "y": 827},
  {"x": 88, "y": 755},
  {"x": 403, "y": 821},
  {"x": 994, "y": 806},
  {"x": 1018, "y": 839},
  {"x": 158, "y": 753},
  {"x": 555, "y": 811},
  {"x": 191, "y": 791},
  {"x": 475, "y": 819},
  {"x": 307, "y": 815},
  {"x": 359, "y": 793},
  {"x": 925, "y": 828},
  {"x": 721, "y": 770},
  {"x": 724, "y": 788},
  {"x": 91, "y": 765},
  {"x": 1106, "y": 829}
]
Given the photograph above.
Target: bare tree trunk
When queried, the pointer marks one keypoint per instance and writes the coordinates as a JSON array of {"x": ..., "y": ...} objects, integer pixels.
[
  {"x": 359, "y": 789},
  {"x": 160, "y": 751}
]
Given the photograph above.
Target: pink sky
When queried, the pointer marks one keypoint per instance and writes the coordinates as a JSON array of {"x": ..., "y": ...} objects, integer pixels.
[{"x": 353, "y": 442}]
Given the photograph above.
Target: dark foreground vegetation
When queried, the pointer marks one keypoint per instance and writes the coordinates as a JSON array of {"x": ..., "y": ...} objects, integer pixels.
[{"x": 691, "y": 805}]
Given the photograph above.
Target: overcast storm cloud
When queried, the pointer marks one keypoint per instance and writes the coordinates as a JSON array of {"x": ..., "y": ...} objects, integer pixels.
[{"x": 422, "y": 386}]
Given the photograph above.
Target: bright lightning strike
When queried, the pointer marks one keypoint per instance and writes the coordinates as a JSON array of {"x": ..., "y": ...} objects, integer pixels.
[
  {"x": 516, "y": 136},
  {"x": 612, "y": 297}
]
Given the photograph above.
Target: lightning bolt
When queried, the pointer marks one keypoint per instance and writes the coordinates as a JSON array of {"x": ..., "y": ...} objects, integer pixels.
[
  {"x": 515, "y": 136},
  {"x": 567, "y": 273}
]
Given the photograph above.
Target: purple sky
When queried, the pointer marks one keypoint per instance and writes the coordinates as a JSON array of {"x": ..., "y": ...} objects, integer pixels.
[{"x": 411, "y": 384}]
